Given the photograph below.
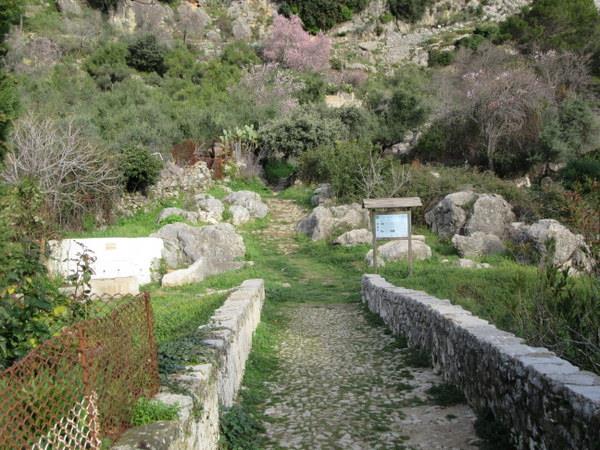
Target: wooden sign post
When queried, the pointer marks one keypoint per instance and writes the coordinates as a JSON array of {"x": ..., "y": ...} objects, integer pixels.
[{"x": 391, "y": 218}]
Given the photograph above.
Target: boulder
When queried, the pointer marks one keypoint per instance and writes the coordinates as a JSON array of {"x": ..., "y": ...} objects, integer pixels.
[
  {"x": 190, "y": 216},
  {"x": 192, "y": 21},
  {"x": 355, "y": 237},
  {"x": 249, "y": 200},
  {"x": 239, "y": 214},
  {"x": 211, "y": 206},
  {"x": 490, "y": 214},
  {"x": 570, "y": 250},
  {"x": 323, "y": 194},
  {"x": 478, "y": 244},
  {"x": 185, "y": 244},
  {"x": 466, "y": 213},
  {"x": 241, "y": 29},
  {"x": 198, "y": 271},
  {"x": 397, "y": 250},
  {"x": 323, "y": 221},
  {"x": 448, "y": 217},
  {"x": 131, "y": 16}
]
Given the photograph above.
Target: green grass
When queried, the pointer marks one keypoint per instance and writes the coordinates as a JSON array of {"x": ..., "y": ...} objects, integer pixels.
[
  {"x": 148, "y": 411},
  {"x": 300, "y": 194}
]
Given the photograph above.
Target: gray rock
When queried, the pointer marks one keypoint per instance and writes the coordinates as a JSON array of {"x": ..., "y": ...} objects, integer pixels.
[
  {"x": 478, "y": 244},
  {"x": 470, "y": 264},
  {"x": 323, "y": 194},
  {"x": 148, "y": 17},
  {"x": 192, "y": 20},
  {"x": 355, "y": 237},
  {"x": 239, "y": 214},
  {"x": 198, "y": 271},
  {"x": 397, "y": 250},
  {"x": 249, "y": 200},
  {"x": 212, "y": 206},
  {"x": 241, "y": 29},
  {"x": 323, "y": 221},
  {"x": 185, "y": 244},
  {"x": 491, "y": 214},
  {"x": 448, "y": 217},
  {"x": 571, "y": 251}
]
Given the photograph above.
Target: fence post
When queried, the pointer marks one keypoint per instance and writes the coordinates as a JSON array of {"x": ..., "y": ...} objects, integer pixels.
[
  {"x": 89, "y": 396},
  {"x": 151, "y": 342}
]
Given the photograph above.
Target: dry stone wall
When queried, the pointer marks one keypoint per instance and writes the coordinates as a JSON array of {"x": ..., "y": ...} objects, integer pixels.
[
  {"x": 208, "y": 386},
  {"x": 545, "y": 401}
]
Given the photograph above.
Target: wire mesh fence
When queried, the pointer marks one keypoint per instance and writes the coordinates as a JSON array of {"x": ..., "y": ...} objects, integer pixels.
[{"x": 82, "y": 384}]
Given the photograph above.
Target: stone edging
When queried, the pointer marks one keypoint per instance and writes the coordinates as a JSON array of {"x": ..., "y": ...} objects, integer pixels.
[
  {"x": 212, "y": 385},
  {"x": 545, "y": 401}
]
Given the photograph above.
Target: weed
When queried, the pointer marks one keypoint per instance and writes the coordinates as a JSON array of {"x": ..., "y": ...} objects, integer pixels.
[
  {"x": 417, "y": 358},
  {"x": 148, "y": 411},
  {"x": 495, "y": 436},
  {"x": 446, "y": 395}
]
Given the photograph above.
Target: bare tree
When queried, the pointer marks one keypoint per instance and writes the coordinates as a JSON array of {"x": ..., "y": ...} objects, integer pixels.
[
  {"x": 563, "y": 71},
  {"x": 75, "y": 176}
]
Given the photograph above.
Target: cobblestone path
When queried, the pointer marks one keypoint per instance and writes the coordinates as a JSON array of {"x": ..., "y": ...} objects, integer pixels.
[{"x": 344, "y": 382}]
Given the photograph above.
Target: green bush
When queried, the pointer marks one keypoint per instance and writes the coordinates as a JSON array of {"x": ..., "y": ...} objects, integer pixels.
[
  {"x": 409, "y": 10},
  {"x": 440, "y": 58},
  {"x": 321, "y": 14},
  {"x": 10, "y": 13},
  {"x": 276, "y": 170},
  {"x": 147, "y": 55},
  {"x": 107, "y": 64},
  {"x": 103, "y": 5},
  {"x": 9, "y": 104},
  {"x": 239, "y": 54},
  {"x": 556, "y": 24},
  {"x": 147, "y": 411},
  {"x": 289, "y": 137},
  {"x": 581, "y": 173},
  {"x": 140, "y": 169}
]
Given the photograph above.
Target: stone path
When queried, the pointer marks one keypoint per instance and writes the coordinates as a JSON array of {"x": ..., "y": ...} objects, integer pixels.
[{"x": 344, "y": 382}]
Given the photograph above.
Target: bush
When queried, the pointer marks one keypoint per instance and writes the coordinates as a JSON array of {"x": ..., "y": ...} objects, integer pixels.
[
  {"x": 107, "y": 65},
  {"x": 103, "y": 5},
  {"x": 293, "y": 47},
  {"x": 581, "y": 173},
  {"x": 148, "y": 411},
  {"x": 9, "y": 104},
  {"x": 75, "y": 176},
  {"x": 304, "y": 129},
  {"x": 440, "y": 58},
  {"x": 239, "y": 54},
  {"x": 10, "y": 13},
  {"x": 321, "y": 14},
  {"x": 31, "y": 307},
  {"x": 147, "y": 55},
  {"x": 140, "y": 169},
  {"x": 409, "y": 10}
]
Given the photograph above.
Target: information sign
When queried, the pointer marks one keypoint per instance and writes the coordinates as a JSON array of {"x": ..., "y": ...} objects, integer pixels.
[{"x": 392, "y": 226}]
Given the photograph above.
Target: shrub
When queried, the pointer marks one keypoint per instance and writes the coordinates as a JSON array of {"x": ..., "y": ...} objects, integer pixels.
[
  {"x": 182, "y": 63},
  {"x": 581, "y": 173},
  {"x": 140, "y": 169},
  {"x": 107, "y": 65},
  {"x": 293, "y": 47},
  {"x": 10, "y": 13},
  {"x": 147, "y": 55},
  {"x": 239, "y": 54},
  {"x": 440, "y": 58},
  {"x": 409, "y": 10},
  {"x": 75, "y": 176},
  {"x": 322, "y": 14},
  {"x": 31, "y": 307},
  {"x": 9, "y": 104},
  {"x": 288, "y": 137}
]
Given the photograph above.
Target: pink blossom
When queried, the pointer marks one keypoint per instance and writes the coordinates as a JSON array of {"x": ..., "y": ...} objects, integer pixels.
[{"x": 296, "y": 49}]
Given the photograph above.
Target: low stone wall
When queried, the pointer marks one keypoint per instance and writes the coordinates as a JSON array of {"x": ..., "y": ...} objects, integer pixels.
[
  {"x": 208, "y": 386},
  {"x": 545, "y": 401}
]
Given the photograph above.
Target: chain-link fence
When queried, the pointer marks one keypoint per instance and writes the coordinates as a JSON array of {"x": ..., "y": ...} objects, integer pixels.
[{"x": 82, "y": 384}]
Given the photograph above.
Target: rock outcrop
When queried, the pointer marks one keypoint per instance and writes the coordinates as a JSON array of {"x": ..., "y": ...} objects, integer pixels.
[
  {"x": 398, "y": 250},
  {"x": 322, "y": 195},
  {"x": 185, "y": 244},
  {"x": 239, "y": 215},
  {"x": 449, "y": 216},
  {"x": 212, "y": 207},
  {"x": 570, "y": 250},
  {"x": 249, "y": 200},
  {"x": 355, "y": 237},
  {"x": 478, "y": 244},
  {"x": 323, "y": 221},
  {"x": 198, "y": 271}
]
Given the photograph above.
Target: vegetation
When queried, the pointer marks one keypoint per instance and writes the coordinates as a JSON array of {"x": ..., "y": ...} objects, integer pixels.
[
  {"x": 409, "y": 10},
  {"x": 321, "y": 14},
  {"x": 148, "y": 411}
]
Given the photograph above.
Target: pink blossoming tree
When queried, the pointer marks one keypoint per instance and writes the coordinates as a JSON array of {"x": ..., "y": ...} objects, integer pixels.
[{"x": 295, "y": 48}]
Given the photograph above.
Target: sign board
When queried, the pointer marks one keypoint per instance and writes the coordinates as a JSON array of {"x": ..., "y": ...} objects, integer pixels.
[{"x": 392, "y": 226}]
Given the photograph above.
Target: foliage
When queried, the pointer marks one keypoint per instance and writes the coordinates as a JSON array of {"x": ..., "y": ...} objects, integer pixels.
[
  {"x": 75, "y": 176},
  {"x": 147, "y": 55},
  {"x": 409, "y": 10},
  {"x": 237, "y": 429},
  {"x": 322, "y": 14},
  {"x": 107, "y": 64},
  {"x": 440, "y": 58},
  {"x": 293, "y": 47},
  {"x": 239, "y": 53},
  {"x": 147, "y": 411},
  {"x": 276, "y": 170},
  {"x": 10, "y": 12},
  {"x": 446, "y": 395},
  {"x": 9, "y": 104},
  {"x": 399, "y": 102},
  {"x": 103, "y": 5},
  {"x": 140, "y": 168},
  {"x": 304, "y": 129},
  {"x": 555, "y": 24},
  {"x": 581, "y": 173},
  {"x": 241, "y": 143},
  {"x": 31, "y": 308}
]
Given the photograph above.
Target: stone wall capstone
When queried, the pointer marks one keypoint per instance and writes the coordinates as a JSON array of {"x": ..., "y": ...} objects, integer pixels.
[
  {"x": 210, "y": 386},
  {"x": 545, "y": 401}
]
